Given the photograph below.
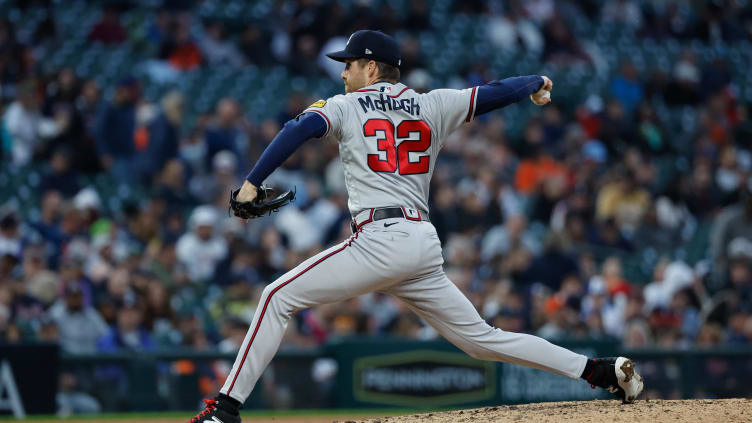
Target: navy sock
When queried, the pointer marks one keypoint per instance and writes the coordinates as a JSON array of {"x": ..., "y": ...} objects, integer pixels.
[
  {"x": 589, "y": 368},
  {"x": 228, "y": 403}
]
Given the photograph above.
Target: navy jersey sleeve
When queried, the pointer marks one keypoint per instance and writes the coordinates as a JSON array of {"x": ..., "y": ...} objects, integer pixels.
[
  {"x": 290, "y": 138},
  {"x": 497, "y": 94}
]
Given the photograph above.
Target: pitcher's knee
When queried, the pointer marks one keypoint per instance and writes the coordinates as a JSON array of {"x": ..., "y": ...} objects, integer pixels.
[
  {"x": 274, "y": 299},
  {"x": 479, "y": 353}
]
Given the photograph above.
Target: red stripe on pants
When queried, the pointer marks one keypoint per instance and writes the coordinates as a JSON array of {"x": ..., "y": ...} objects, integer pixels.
[{"x": 266, "y": 303}]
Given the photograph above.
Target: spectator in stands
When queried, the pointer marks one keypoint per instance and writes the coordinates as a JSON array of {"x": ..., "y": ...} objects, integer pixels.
[
  {"x": 514, "y": 233},
  {"x": 10, "y": 236},
  {"x": 651, "y": 233},
  {"x": 180, "y": 50},
  {"x": 159, "y": 317},
  {"x": 28, "y": 302},
  {"x": 217, "y": 49},
  {"x": 668, "y": 279},
  {"x": 411, "y": 55},
  {"x": 305, "y": 51},
  {"x": 683, "y": 88},
  {"x": 553, "y": 129},
  {"x": 221, "y": 180},
  {"x": 158, "y": 29},
  {"x": 622, "y": 12},
  {"x": 171, "y": 187},
  {"x": 108, "y": 30},
  {"x": 732, "y": 234},
  {"x": 88, "y": 204},
  {"x": 627, "y": 87},
  {"x": 13, "y": 67},
  {"x": 192, "y": 152},
  {"x": 718, "y": 23},
  {"x": 562, "y": 319},
  {"x": 514, "y": 30},
  {"x": 71, "y": 401},
  {"x": 685, "y": 308},
  {"x": 255, "y": 46},
  {"x": 417, "y": 17},
  {"x": 700, "y": 193},
  {"x": 729, "y": 174},
  {"x": 538, "y": 165},
  {"x": 87, "y": 107},
  {"x": 711, "y": 334},
  {"x": 227, "y": 133},
  {"x": 59, "y": 104},
  {"x": 201, "y": 249},
  {"x": 26, "y": 127},
  {"x": 653, "y": 139},
  {"x": 41, "y": 283},
  {"x": 60, "y": 176},
  {"x": 623, "y": 200},
  {"x": 48, "y": 224},
  {"x": 561, "y": 46},
  {"x": 739, "y": 327},
  {"x": 740, "y": 276},
  {"x": 129, "y": 333},
  {"x": 553, "y": 265},
  {"x": 616, "y": 129},
  {"x": 164, "y": 135},
  {"x": 552, "y": 190},
  {"x": 115, "y": 129},
  {"x": 80, "y": 325},
  {"x": 294, "y": 104},
  {"x": 637, "y": 334},
  {"x": 715, "y": 77},
  {"x": 606, "y": 233}
]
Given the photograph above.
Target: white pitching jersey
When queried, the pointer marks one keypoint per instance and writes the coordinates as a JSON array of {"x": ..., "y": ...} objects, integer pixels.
[{"x": 389, "y": 137}]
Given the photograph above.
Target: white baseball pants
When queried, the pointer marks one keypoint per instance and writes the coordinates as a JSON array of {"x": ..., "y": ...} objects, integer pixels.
[{"x": 403, "y": 260}]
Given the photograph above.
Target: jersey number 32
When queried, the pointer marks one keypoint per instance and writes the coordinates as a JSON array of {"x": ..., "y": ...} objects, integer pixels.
[{"x": 398, "y": 156}]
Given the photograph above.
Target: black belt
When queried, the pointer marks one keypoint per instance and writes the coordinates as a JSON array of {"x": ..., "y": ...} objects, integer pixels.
[{"x": 388, "y": 213}]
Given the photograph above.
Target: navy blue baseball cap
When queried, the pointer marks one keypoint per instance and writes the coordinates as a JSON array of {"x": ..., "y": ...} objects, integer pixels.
[{"x": 367, "y": 44}]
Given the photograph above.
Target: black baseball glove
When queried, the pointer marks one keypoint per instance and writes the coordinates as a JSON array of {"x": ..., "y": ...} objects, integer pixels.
[{"x": 261, "y": 205}]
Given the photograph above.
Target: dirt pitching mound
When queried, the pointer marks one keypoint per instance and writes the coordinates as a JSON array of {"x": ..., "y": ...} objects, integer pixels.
[{"x": 653, "y": 411}]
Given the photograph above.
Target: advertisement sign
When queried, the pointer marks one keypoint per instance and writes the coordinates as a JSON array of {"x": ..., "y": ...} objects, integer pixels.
[
  {"x": 522, "y": 385},
  {"x": 429, "y": 378},
  {"x": 407, "y": 373},
  {"x": 28, "y": 379}
]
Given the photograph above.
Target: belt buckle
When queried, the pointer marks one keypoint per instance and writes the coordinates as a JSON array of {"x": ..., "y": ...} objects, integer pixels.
[{"x": 412, "y": 214}]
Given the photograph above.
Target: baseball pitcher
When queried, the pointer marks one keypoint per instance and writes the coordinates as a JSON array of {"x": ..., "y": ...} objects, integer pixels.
[{"x": 389, "y": 137}]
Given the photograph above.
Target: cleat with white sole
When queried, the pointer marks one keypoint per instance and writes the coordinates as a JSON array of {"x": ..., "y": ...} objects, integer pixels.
[{"x": 618, "y": 376}]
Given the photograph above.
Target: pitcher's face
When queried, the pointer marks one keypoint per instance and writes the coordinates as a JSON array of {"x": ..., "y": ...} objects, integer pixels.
[{"x": 354, "y": 75}]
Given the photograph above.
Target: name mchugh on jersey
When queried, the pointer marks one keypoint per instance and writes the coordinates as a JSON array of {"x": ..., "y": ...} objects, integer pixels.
[{"x": 385, "y": 103}]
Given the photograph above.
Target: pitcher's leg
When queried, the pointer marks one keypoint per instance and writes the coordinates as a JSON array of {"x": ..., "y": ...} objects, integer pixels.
[
  {"x": 437, "y": 300},
  {"x": 330, "y": 276}
]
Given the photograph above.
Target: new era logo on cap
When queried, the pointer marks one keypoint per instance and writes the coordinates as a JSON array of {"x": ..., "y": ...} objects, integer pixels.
[{"x": 368, "y": 51}]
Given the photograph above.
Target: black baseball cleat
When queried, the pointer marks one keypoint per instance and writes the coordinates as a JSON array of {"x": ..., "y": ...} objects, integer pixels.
[
  {"x": 618, "y": 376},
  {"x": 217, "y": 410}
]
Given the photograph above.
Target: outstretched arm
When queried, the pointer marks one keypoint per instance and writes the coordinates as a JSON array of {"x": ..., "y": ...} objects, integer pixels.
[
  {"x": 497, "y": 94},
  {"x": 290, "y": 138}
]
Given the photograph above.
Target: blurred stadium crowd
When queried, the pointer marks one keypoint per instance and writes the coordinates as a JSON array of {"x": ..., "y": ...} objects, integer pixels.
[{"x": 621, "y": 211}]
